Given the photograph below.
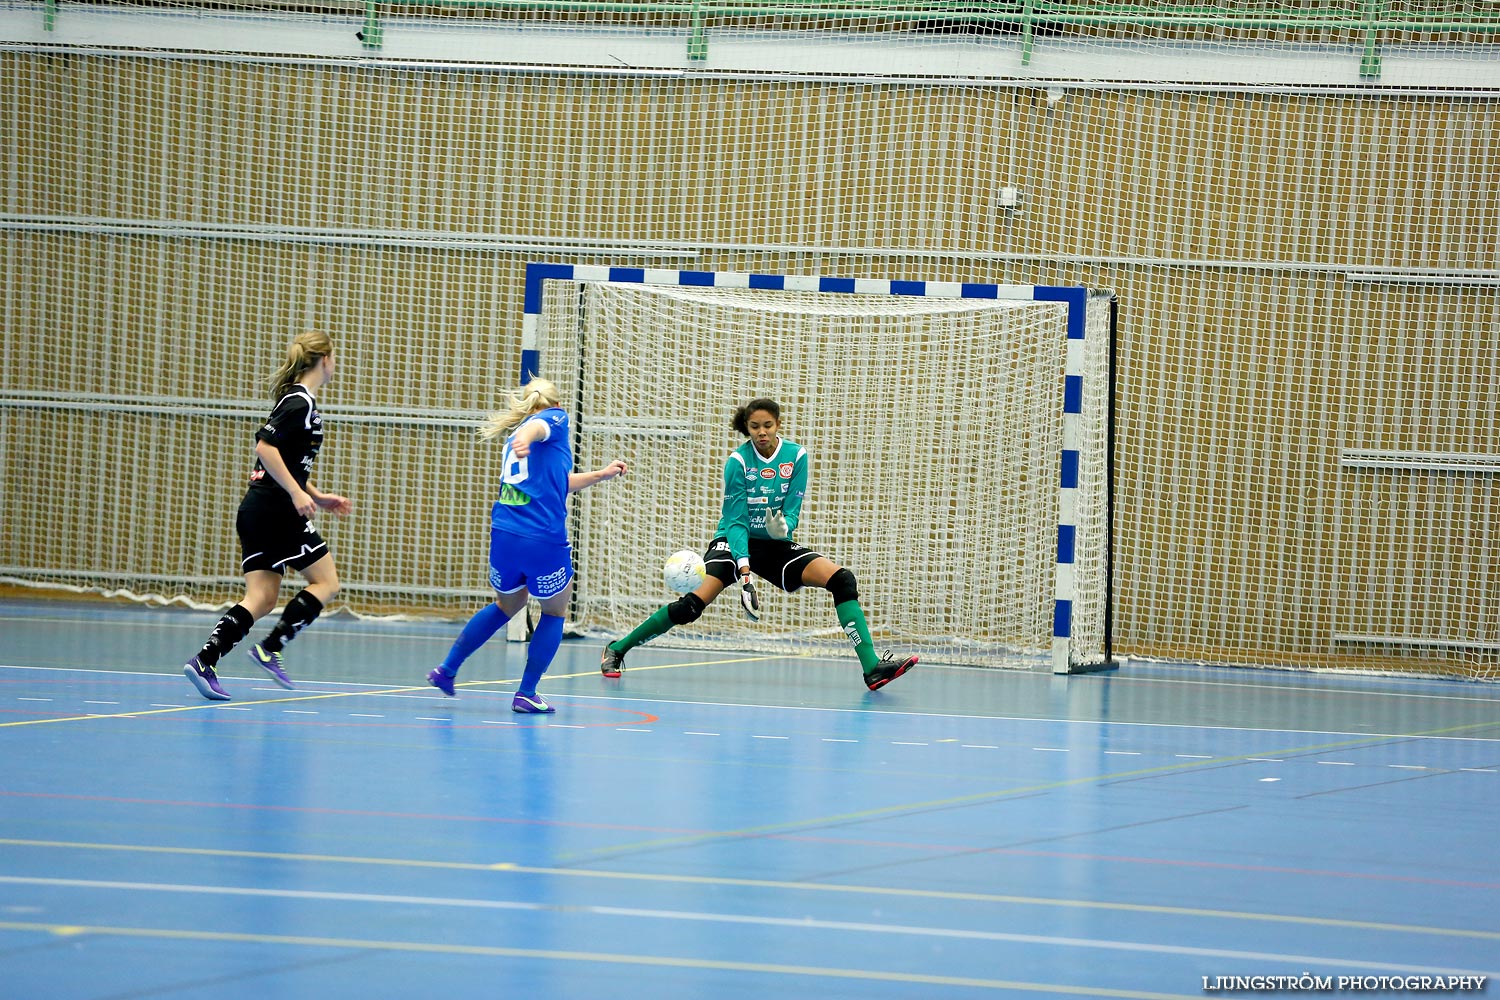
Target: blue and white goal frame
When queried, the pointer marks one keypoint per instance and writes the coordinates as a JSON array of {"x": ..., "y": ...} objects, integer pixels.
[{"x": 1075, "y": 298}]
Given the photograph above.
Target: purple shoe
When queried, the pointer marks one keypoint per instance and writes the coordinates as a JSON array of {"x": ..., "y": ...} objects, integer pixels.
[
  {"x": 270, "y": 663},
  {"x": 204, "y": 679},
  {"x": 443, "y": 682},
  {"x": 530, "y": 704}
]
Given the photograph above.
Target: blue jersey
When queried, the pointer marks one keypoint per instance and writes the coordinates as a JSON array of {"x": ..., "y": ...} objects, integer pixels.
[{"x": 534, "y": 490}]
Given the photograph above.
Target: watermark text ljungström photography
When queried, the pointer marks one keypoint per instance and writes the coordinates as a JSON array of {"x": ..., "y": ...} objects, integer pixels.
[{"x": 1308, "y": 982}]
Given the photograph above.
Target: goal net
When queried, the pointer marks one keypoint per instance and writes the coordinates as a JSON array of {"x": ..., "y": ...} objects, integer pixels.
[{"x": 958, "y": 446}]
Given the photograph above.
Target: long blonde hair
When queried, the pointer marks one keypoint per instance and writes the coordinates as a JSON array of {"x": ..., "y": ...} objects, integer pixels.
[
  {"x": 303, "y": 353},
  {"x": 535, "y": 396}
]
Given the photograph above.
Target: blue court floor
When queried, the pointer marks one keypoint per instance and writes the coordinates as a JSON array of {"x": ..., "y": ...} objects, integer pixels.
[{"x": 719, "y": 825}]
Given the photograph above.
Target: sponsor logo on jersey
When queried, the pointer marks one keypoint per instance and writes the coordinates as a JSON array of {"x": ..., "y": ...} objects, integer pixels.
[
  {"x": 257, "y": 475},
  {"x": 512, "y": 497},
  {"x": 786, "y": 470},
  {"x": 751, "y": 477},
  {"x": 768, "y": 473},
  {"x": 752, "y": 501}
]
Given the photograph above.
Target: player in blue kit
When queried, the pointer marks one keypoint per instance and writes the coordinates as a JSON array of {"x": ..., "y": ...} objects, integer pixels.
[
  {"x": 765, "y": 480},
  {"x": 529, "y": 548}
]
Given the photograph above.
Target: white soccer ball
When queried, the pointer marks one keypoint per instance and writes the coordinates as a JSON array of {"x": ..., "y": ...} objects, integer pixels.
[{"x": 683, "y": 571}]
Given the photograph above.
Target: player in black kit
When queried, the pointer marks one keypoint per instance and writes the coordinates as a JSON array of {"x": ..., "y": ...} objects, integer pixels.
[{"x": 275, "y": 521}]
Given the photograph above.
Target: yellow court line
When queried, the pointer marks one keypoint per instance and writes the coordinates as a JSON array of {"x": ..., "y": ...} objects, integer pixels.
[
  {"x": 780, "y": 886},
  {"x": 974, "y": 798},
  {"x": 668, "y": 962},
  {"x": 211, "y": 704},
  {"x": 95, "y": 716}
]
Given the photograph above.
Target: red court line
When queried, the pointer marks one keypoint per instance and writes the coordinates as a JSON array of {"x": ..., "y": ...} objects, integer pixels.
[{"x": 323, "y": 811}]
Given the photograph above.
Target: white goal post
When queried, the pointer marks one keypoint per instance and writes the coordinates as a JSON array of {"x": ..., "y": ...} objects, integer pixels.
[{"x": 959, "y": 436}]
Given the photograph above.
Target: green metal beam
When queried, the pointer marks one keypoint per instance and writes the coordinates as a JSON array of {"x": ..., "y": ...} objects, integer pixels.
[{"x": 372, "y": 36}]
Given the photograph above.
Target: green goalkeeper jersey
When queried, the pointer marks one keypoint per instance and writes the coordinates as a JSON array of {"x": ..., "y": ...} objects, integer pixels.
[{"x": 754, "y": 486}]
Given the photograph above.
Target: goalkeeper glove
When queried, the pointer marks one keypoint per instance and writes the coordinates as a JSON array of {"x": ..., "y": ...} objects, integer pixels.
[
  {"x": 748, "y": 600},
  {"x": 776, "y": 524}
]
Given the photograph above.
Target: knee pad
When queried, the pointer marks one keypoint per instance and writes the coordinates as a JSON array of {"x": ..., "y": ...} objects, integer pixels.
[
  {"x": 687, "y": 608},
  {"x": 841, "y": 586}
]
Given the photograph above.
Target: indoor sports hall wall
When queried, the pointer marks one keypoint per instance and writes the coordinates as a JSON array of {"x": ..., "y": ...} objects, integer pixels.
[{"x": 1310, "y": 308}]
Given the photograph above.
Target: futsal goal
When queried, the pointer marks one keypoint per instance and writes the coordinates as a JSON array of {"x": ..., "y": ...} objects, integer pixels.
[{"x": 959, "y": 437}]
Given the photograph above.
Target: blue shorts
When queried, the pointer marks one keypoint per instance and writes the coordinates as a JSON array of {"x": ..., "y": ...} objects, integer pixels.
[{"x": 518, "y": 562}]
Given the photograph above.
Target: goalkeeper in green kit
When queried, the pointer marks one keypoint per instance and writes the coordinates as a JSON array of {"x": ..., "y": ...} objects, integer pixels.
[{"x": 765, "y": 480}]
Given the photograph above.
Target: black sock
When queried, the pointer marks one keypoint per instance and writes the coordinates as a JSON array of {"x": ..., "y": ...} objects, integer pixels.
[
  {"x": 230, "y": 630},
  {"x": 300, "y": 612}
]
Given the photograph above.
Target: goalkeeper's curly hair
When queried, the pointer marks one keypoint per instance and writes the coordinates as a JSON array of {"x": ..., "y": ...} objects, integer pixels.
[{"x": 741, "y": 419}]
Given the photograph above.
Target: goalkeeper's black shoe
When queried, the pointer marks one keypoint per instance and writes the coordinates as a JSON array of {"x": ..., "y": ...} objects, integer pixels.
[
  {"x": 887, "y": 670},
  {"x": 611, "y": 663}
]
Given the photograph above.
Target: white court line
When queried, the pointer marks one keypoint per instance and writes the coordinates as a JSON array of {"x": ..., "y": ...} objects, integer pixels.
[
  {"x": 794, "y": 923},
  {"x": 382, "y": 690},
  {"x": 1103, "y": 723}
]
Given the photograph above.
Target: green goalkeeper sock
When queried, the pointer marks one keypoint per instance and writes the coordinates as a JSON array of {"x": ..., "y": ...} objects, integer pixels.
[
  {"x": 852, "y": 621},
  {"x": 647, "y": 630}
]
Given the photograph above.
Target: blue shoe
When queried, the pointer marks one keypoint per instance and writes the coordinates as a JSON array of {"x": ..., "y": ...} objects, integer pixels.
[
  {"x": 270, "y": 663},
  {"x": 204, "y": 679},
  {"x": 530, "y": 704},
  {"x": 443, "y": 682}
]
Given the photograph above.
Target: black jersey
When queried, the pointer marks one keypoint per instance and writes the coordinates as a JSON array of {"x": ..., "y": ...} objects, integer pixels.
[{"x": 294, "y": 428}]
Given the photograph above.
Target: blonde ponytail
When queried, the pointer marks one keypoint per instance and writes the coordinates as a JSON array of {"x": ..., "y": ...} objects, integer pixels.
[
  {"x": 303, "y": 353},
  {"x": 534, "y": 397}
]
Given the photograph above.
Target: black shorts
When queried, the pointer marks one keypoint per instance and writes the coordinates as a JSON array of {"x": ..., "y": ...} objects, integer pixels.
[
  {"x": 778, "y": 561},
  {"x": 274, "y": 536}
]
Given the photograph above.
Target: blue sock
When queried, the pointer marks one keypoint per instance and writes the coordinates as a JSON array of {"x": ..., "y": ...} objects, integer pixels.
[
  {"x": 544, "y": 642},
  {"x": 486, "y": 622}
]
